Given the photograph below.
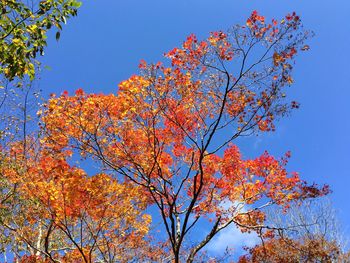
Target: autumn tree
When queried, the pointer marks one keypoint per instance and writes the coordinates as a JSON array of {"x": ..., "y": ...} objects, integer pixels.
[
  {"x": 52, "y": 211},
  {"x": 171, "y": 130}
]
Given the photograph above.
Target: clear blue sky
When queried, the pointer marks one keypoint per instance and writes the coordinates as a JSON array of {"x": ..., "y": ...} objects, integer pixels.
[{"x": 104, "y": 44}]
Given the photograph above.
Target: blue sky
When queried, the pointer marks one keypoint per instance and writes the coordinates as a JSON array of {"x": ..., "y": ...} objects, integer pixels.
[{"x": 105, "y": 43}]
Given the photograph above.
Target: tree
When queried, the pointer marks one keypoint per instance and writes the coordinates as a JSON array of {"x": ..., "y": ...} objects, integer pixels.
[
  {"x": 23, "y": 32},
  {"x": 170, "y": 131},
  {"x": 54, "y": 212},
  {"x": 18, "y": 122},
  {"x": 51, "y": 211},
  {"x": 289, "y": 251},
  {"x": 312, "y": 219},
  {"x": 308, "y": 233}
]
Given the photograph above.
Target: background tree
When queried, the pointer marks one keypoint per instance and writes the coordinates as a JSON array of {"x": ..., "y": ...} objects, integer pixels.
[
  {"x": 309, "y": 232},
  {"x": 18, "y": 124},
  {"x": 312, "y": 218},
  {"x": 171, "y": 129},
  {"x": 289, "y": 250},
  {"x": 23, "y": 32}
]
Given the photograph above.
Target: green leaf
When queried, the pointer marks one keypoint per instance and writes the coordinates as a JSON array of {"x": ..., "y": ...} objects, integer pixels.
[
  {"x": 58, "y": 35},
  {"x": 76, "y": 4}
]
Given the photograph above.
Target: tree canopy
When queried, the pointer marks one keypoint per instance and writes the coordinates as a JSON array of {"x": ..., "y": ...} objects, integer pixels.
[{"x": 164, "y": 129}]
